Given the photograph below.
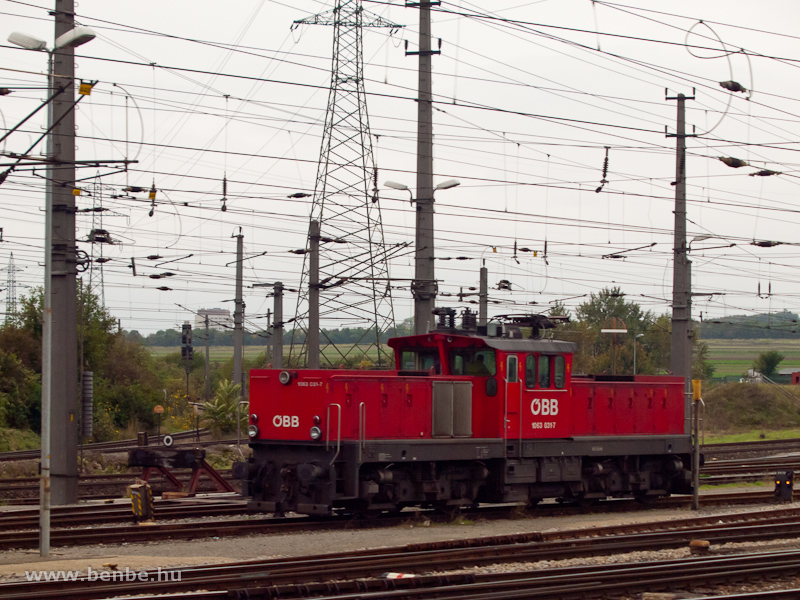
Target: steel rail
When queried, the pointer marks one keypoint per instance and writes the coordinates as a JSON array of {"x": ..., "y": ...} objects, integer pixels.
[{"x": 420, "y": 558}]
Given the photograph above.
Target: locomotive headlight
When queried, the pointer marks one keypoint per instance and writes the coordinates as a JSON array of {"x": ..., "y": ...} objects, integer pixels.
[
  {"x": 285, "y": 377},
  {"x": 316, "y": 420},
  {"x": 252, "y": 431},
  {"x": 316, "y": 433},
  {"x": 254, "y": 418}
]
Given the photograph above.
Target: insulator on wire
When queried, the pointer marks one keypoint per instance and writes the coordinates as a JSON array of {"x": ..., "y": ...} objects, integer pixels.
[
  {"x": 733, "y": 86},
  {"x": 733, "y": 162},
  {"x": 224, "y": 192},
  {"x": 604, "y": 181}
]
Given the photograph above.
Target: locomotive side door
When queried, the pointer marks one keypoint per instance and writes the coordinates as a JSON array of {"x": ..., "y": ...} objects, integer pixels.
[{"x": 512, "y": 400}]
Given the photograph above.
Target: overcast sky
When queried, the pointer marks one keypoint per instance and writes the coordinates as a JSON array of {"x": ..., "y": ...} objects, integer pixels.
[{"x": 528, "y": 95}]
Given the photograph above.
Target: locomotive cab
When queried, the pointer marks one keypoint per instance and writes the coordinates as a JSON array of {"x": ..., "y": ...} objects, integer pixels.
[{"x": 467, "y": 415}]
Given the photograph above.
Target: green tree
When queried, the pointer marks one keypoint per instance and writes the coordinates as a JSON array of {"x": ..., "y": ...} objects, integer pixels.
[
  {"x": 608, "y": 309},
  {"x": 767, "y": 362},
  {"x": 20, "y": 394}
]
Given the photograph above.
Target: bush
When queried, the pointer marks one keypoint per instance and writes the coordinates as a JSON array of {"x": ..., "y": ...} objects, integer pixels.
[
  {"x": 744, "y": 406},
  {"x": 219, "y": 414}
]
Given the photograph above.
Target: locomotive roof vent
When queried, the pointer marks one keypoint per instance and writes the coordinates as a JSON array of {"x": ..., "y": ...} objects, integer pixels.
[{"x": 447, "y": 318}]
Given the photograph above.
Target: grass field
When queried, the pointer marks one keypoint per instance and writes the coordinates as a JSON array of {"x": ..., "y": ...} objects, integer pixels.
[
  {"x": 729, "y": 357},
  {"x": 216, "y": 353},
  {"x": 223, "y": 353},
  {"x": 734, "y": 357}
]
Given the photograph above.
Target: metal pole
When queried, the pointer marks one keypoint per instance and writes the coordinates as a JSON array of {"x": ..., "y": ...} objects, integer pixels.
[
  {"x": 424, "y": 287},
  {"x": 313, "y": 296},
  {"x": 47, "y": 330},
  {"x": 634, "y": 355},
  {"x": 238, "y": 315},
  {"x": 483, "y": 296},
  {"x": 277, "y": 328},
  {"x": 267, "y": 349},
  {"x": 613, "y": 353},
  {"x": 63, "y": 274},
  {"x": 696, "y": 457},
  {"x": 208, "y": 364}
]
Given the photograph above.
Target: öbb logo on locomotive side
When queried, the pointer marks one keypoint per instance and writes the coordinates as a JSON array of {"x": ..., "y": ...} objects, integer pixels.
[
  {"x": 286, "y": 421},
  {"x": 544, "y": 407}
]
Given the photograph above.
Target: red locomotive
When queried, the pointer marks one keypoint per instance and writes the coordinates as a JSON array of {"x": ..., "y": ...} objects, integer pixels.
[{"x": 476, "y": 414}]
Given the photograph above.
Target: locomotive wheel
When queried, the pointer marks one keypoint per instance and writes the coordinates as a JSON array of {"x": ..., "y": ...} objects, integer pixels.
[
  {"x": 644, "y": 498},
  {"x": 584, "y": 502}
]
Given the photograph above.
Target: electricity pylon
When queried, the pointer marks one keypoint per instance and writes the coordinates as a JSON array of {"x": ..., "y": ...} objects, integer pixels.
[
  {"x": 354, "y": 286},
  {"x": 11, "y": 289}
]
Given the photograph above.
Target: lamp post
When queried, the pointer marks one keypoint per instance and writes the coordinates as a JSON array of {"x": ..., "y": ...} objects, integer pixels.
[
  {"x": 60, "y": 119},
  {"x": 424, "y": 284},
  {"x": 636, "y": 337}
]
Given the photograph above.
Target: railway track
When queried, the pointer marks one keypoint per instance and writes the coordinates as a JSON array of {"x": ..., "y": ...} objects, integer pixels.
[
  {"x": 25, "y": 490},
  {"x": 100, "y": 514},
  {"x": 350, "y": 572},
  {"x": 117, "y": 518},
  {"x": 599, "y": 581},
  {"x": 184, "y": 437},
  {"x": 761, "y": 447}
]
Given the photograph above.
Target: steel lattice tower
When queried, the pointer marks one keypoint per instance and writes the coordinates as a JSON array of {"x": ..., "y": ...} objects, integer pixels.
[
  {"x": 11, "y": 289},
  {"x": 354, "y": 281},
  {"x": 96, "y": 281}
]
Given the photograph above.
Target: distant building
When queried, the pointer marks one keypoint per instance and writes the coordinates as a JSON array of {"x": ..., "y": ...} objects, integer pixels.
[{"x": 218, "y": 318}]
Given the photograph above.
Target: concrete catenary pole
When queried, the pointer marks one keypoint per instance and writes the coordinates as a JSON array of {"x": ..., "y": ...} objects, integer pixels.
[
  {"x": 62, "y": 292},
  {"x": 681, "y": 340},
  {"x": 312, "y": 343},
  {"x": 238, "y": 312},
  {"x": 424, "y": 288},
  {"x": 208, "y": 362}
]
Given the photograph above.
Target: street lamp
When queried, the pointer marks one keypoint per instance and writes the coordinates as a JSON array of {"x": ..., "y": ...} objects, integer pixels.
[
  {"x": 445, "y": 185},
  {"x": 637, "y": 336},
  {"x": 71, "y": 39},
  {"x": 424, "y": 284}
]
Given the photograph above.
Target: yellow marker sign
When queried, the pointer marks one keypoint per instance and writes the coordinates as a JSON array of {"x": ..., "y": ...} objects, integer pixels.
[
  {"x": 696, "y": 389},
  {"x": 76, "y": 191},
  {"x": 85, "y": 88}
]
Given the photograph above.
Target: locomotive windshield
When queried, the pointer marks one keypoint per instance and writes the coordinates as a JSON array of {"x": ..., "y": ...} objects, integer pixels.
[
  {"x": 420, "y": 360},
  {"x": 471, "y": 361}
]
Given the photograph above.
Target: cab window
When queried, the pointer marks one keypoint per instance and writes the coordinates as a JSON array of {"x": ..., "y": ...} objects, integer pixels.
[
  {"x": 560, "y": 372},
  {"x": 530, "y": 371},
  {"x": 544, "y": 371},
  {"x": 420, "y": 360},
  {"x": 472, "y": 361},
  {"x": 511, "y": 374}
]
